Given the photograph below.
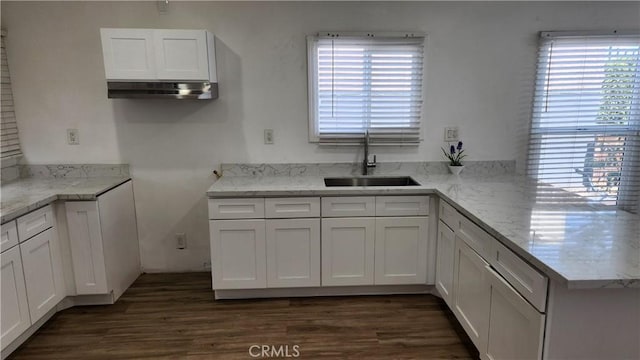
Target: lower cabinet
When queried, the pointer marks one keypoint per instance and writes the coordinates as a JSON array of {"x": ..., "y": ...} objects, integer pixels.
[
  {"x": 238, "y": 253},
  {"x": 257, "y": 253},
  {"x": 15, "y": 317},
  {"x": 293, "y": 252},
  {"x": 103, "y": 238},
  {"x": 517, "y": 328},
  {"x": 374, "y": 251},
  {"x": 472, "y": 294},
  {"x": 445, "y": 262},
  {"x": 348, "y": 251},
  {"x": 401, "y": 250},
  {"x": 296, "y": 242},
  {"x": 42, "y": 266},
  {"x": 501, "y": 322}
]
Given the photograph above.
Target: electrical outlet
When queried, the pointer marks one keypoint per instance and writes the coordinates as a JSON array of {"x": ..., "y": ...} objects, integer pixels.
[
  {"x": 73, "y": 137},
  {"x": 268, "y": 136},
  {"x": 163, "y": 6},
  {"x": 181, "y": 241},
  {"x": 451, "y": 134},
  {"x": 206, "y": 265}
]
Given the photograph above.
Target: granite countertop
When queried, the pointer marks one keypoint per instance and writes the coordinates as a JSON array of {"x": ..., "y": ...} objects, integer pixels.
[
  {"x": 579, "y": 245},
  {"x": 22, "y": 196}
]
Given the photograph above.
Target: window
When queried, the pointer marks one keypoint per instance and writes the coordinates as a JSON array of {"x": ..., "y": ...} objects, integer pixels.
[
  {"x": 10, "y": 145},
  {"x": 360, "y": 84},
  {"x": 585, "y": 130}
]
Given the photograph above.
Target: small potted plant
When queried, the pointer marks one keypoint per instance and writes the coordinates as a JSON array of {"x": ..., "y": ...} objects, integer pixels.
[{"x": 455, "y": 156}]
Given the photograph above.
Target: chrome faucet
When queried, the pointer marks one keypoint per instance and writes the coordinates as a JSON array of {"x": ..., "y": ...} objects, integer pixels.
[{"x": 365, "y": 163}]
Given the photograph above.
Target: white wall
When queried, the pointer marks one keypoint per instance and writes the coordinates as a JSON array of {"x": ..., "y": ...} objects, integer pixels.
[{"x": 480, "y": 61}]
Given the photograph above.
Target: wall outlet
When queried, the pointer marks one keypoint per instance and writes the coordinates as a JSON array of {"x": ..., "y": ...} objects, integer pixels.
[
  {"x": 451, "y": 134},
  {"x": 181, "y": 241},
  {"x": 206, "y": 265},
  {"x": 268, "y": 136},
  {"x": 73, "y": 137},
  {"x": 163, "y": 6}
]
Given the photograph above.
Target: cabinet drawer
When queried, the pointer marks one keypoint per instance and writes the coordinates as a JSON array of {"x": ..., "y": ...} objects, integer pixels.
[
  {"x": 236, "y": 208},
  {"x": 348, "y": 206},
  {"x": 449, "y": 215},
  {"x": 292, "y": 207},
  {"x": 478, "y": 239},
  {"x": 9, "y": 233},
  {"x": 531, "y": 284},
  {"x": 35, "y": 222},
  {"x": 402, "y": 205}
]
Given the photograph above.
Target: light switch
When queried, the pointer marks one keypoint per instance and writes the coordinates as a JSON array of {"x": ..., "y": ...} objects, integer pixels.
[{"x": 451, "y": 134}]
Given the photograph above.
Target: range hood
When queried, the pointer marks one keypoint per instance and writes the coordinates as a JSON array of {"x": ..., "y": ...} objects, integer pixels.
[
  {"x": 162, "y": 90},
  {"x": 159, "y": 64}
]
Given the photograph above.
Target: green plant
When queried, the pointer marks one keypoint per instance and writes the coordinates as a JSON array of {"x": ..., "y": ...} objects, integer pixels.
[{"x": 455, "y": 154}]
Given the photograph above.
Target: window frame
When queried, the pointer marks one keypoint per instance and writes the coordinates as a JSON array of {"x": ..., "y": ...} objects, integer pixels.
[
  {"x": 312, "y": 79},
  {"x": 626, "y": 194}
]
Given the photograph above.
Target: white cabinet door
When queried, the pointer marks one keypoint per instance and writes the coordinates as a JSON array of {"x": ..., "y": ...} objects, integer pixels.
[
  {"x": 128, "y": 54},
  {"x": 293, "y": 252},
  {"x": 444, "y": 262},
  {"x": 15, "y": 309},
  {"x": 516, "y": 328},
  {"x": 348, "y": 251},
  {"x": 471, "y": 294},
  {"x": 87, "y": 253},
  {"x": 119, "y": 237},
  {"x": 401, "y": 250},
  {"x": 181, "y": 54},
  {"x": 42, "y": 272},
  {"x": 238, "y": 254}
]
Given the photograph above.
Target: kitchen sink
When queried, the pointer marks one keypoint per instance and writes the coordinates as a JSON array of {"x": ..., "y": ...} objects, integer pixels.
[{"x": 371, "y": 181}]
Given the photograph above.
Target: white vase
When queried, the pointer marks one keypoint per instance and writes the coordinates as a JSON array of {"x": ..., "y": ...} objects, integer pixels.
[{"x": 455, "y": 170}]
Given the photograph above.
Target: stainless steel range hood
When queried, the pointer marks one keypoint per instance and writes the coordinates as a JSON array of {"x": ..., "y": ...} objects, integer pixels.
[
  {"x": 159, "y": 63},
  {"x": 197, "y": 90}
]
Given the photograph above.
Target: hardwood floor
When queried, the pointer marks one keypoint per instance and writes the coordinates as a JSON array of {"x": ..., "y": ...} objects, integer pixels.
[{"x": 174, "y": 316}]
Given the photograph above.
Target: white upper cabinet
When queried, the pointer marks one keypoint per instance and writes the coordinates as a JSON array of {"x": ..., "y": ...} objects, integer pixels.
[
  {"x": 181, "y": 54},
  {"x": 158, "y": 54},
  {"x": 128, "y": 54}
]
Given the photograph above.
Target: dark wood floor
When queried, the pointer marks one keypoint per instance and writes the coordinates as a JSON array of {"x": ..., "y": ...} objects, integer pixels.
[{"x": 174, "y": 316}]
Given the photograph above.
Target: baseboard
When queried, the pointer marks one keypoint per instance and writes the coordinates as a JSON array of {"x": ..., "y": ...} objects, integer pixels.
[
  {"x": 325, "y": 291},
  {"x": 101, "y": 299}
]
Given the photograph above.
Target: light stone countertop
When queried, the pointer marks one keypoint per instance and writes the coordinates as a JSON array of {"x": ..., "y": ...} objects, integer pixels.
[
  {"x": 580, "y": 245},
  {"x": 24, "y": 195}
]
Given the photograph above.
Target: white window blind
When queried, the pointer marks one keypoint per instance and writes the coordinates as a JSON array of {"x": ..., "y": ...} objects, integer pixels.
[
  {"x": 10, "y": 145},
  {"x": 359, "y": 84},
  {"x": 585, "y": 134}
]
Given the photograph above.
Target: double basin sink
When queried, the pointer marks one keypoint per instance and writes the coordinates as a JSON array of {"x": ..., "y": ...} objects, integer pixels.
[{"x": 371, "y": 181}]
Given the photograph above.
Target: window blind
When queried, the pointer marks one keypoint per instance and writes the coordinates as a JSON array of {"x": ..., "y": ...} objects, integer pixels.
[
  {"x": 360, "y": 84},
  {"x": 9, "y": 142},
  {"x": 585, "y": 132}
]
